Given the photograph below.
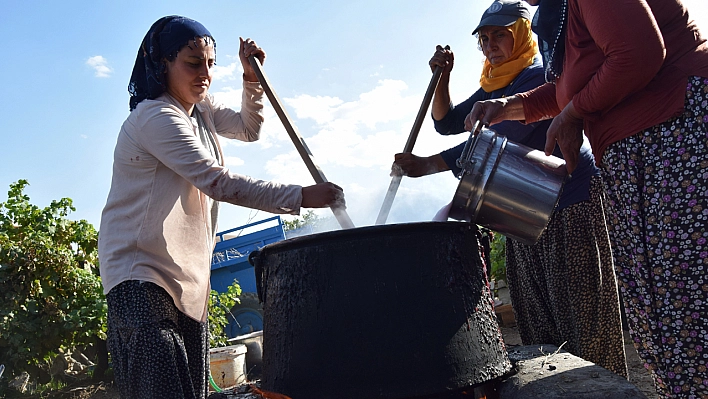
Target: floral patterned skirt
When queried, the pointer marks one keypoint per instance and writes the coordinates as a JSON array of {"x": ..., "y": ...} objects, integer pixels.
[{"x": 657, "y": 189}]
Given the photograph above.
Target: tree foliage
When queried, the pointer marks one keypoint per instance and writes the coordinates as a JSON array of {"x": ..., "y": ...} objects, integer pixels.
[
  {"x": 498, "y": 255},
  {"x": 310, "y": 218},
  {"x": 51, "y": 297},
  {"x": 220, "y": 304},
  {"x": 309, "y": 223}
]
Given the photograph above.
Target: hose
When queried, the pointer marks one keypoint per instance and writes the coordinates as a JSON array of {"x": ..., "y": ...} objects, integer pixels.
[{"x": 213, "y": 384}]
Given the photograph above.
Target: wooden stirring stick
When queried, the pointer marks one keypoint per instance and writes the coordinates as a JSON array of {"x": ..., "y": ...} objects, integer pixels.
[
  {"x": 339, "y": 212},
  {"x": 396, "y": 180}
]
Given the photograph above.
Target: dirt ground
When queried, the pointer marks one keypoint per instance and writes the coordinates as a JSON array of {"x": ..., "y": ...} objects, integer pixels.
[
  {"x": 637, "y": 374},
  {"x": 96, "y": 391}
]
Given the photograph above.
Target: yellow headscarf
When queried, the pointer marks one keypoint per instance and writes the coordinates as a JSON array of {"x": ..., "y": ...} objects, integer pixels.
[{"x": 525, "y": 48}]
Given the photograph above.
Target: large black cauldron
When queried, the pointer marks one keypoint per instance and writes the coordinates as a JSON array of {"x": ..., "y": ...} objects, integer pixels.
[{"x": 391, "y": 311}]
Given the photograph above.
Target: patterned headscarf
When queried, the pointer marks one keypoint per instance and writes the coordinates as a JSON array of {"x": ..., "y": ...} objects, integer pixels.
[
  {"x": 549, "y": 23},
  {"x": 163, "y": 41}
]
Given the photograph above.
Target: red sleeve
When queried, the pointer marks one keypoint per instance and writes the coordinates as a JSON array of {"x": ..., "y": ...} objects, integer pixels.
[
  {"x": 540, "y": 103},
  {"x": 627, "y": 34}
]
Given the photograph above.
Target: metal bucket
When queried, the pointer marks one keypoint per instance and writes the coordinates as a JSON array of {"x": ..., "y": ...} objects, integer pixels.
[
  {"x": 391, "y": 311},
  {"x": 507, "y": 187}
]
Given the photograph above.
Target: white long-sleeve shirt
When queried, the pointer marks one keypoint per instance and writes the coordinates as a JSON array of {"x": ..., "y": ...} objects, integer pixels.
[{"x": 157, "y": 222}]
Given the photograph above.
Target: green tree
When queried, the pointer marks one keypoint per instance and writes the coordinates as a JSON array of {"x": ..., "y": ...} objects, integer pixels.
[
  {"x": 51, "y": 297},
  {"x": 220, "y": 304},
  {"x": 498, "y": 255},
  {"x": 309, "y": 218}
]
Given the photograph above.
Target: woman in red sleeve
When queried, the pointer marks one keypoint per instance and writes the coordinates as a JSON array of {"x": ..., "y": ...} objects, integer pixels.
[{"x": 633, "y": 76}]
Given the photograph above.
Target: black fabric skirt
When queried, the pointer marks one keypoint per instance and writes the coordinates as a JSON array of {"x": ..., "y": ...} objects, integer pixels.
[{"x": 156, "y": 350}]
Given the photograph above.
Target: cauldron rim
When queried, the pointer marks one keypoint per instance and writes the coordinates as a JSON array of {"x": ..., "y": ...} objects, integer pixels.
[
  {"x": 317, "y": 239},
  {"x": 394, "y": 228}
]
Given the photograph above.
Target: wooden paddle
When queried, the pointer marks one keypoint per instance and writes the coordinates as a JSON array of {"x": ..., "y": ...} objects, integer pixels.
[
  {"x": 396, "y": 180},
  {"x": 339, "y": 212}
]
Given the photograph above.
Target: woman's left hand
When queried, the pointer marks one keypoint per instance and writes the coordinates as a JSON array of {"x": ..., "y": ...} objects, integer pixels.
[
  {"x": 566, "y": 130},
  {"x": 248, "y": 47}
]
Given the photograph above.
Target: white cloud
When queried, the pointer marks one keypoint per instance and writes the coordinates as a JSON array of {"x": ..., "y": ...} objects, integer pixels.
[
  {"x": 347, "y": 131},
  {"x": 382, "y": 104},
  {"x": 229, "y": 96},
  {"x": 100, "y": 66},
  {"x": 289, "y": 168},
  {"x": 231, "y": 71},
  {"x": 233, "y": 161},
  {"x": 319, "y": 108},
  {"x": 272, "y": 130}
]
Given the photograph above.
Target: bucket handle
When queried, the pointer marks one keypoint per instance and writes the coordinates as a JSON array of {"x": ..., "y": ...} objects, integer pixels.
[
  {"x": 255, "y": 261},
  {"x": 490, "y": 161},
  {"x": 463, "y": 162}
]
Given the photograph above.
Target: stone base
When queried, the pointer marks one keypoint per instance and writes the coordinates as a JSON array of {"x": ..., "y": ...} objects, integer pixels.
[
  {"x": 540, "y": 371},
  {"x": 543, "y": 371}
]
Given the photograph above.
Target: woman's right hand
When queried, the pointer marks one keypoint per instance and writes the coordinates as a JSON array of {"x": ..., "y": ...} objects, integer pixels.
[
  {"x": 407, "y": 164},
  {"x": 323, "y": 195},
  {"x": 494, "y": 111},
  {"x": 247, "y": 48},
  {"x": 443, "y": 58}
]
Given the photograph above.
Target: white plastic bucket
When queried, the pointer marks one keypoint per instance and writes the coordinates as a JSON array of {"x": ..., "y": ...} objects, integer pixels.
[
  {"x": 228, "y": 365},
  {"x": 254, "y": 353}
]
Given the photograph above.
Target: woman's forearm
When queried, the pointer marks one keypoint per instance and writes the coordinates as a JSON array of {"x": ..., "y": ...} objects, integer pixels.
[
  {"x": 513, "y": 110},
  {"x": 441, "y": 100}
]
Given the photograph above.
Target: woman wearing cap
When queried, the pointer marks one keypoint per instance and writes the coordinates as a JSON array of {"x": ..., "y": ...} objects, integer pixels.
[
  {"x": 632, "y": 76},
  {"x": 563, "y": 288},
  {"x": 159, "y": 222}
]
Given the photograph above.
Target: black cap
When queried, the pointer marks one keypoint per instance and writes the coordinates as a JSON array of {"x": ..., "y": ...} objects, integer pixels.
[{"x": 504, "y": 13}]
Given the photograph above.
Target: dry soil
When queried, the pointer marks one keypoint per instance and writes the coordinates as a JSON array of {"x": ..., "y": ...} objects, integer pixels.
[{"x": 637, "y": 374}]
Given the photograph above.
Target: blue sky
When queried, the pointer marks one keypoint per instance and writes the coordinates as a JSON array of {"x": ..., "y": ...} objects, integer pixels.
[{"x": 352, "y": 76}]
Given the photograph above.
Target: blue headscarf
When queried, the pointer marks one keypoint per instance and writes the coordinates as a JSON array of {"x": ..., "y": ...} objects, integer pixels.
[{"x": 163, "y": 41}]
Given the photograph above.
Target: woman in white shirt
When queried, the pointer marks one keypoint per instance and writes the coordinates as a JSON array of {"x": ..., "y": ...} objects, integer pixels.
[{"x": 158, "y": 226}]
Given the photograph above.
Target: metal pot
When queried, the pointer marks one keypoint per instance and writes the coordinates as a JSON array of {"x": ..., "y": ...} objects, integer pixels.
[
  {"x": 392, "y": 311},
  {"x": 507, "y": 187}
]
